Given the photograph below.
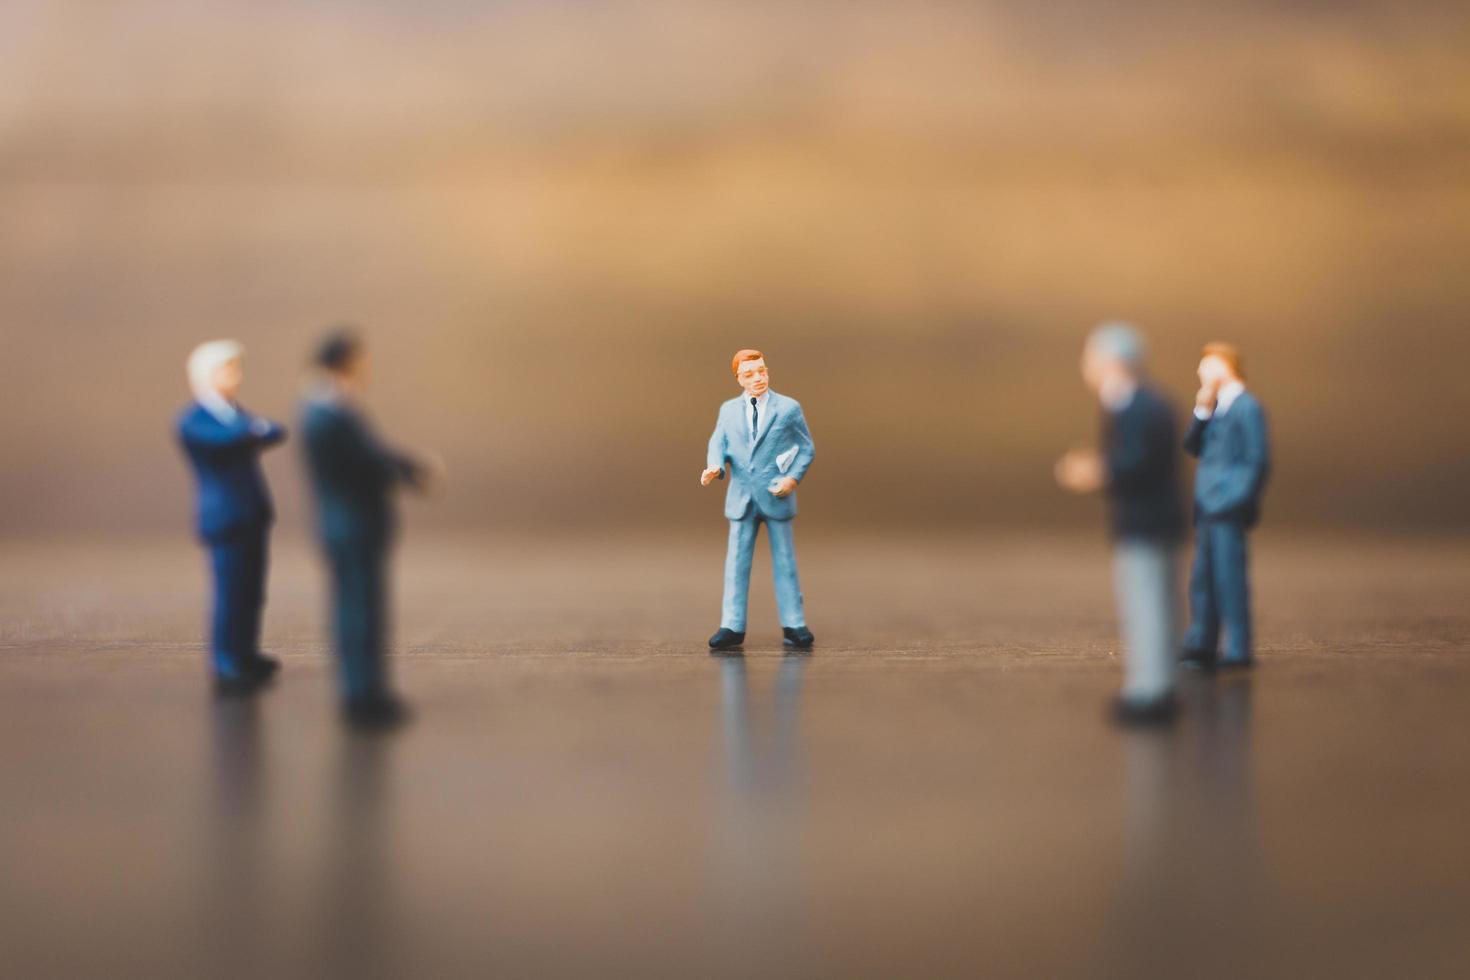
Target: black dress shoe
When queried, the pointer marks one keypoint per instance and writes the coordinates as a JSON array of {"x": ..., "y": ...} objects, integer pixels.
[
  {"x": 726, "y": 639},
  {"x": 1192, "y": 659},
  {"x": 1133, "y": 712},
  {"x": 262, "y": 668},
  {"x": 376, "y": 714},
  {"x": 797, "y": 636},
  {"x": 1235, "y": 663}
]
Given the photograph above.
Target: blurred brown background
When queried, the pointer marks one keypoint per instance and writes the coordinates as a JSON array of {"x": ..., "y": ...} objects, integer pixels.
[{"x": 558, "y": 219}]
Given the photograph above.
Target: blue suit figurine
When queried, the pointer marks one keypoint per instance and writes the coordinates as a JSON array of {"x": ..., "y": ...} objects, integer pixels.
[
  {"x": 762, "y": 442},
  {"x": 353, "y": 477},
  {"x": 1229, "y": 436},
  {"x": 223, "y": 443}
]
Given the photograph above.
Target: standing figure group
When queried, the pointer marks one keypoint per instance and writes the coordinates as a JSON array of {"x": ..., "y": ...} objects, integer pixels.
[
  {"x": 1137, "y": 467},
  {"x": 762, "y": 446},
  {"x": 352, "y": 477}
]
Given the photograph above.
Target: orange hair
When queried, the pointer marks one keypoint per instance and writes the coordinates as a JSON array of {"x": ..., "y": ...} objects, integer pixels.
[
  {"x": 741, "y": 356},
  {"x": 1228, "y": 353}
]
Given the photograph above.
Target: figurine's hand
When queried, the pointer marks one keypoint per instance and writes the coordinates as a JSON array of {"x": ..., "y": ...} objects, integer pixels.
[
  {"x": 1081, "y": 471},
  {"x": 434, "y": 474},
  {"x": 1205, "y": 399},
  {"x": 783, "y": 486},
  {"x": 709, "y": 476}
]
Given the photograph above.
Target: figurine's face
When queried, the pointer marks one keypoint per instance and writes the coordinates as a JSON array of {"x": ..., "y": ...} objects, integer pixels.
[
  {"x": 355, "y": 371},
  {"x": 753, "y": 378},
  {"x": 227, "y": 378},
  {"x": 1214, "y": 372},
  {"x": 1095, "y": 367}
]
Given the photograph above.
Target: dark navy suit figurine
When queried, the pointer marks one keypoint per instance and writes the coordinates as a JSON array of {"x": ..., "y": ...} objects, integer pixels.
[
  {"x": 223, "y": 443},
  {"x": 1229, "y": 437},
  {"x": 1138, "y": 468},
  {"x": 353, "y": 477}
]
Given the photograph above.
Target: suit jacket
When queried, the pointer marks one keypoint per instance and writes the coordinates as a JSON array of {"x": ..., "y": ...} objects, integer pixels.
[
  {"x": 352, "y": 474},
  {"x": 1140, "y": 451},
  {"x": 783, "y": 447},
  {"x": 225, "y": 458},
  {"x": 1234, "y": 462}
]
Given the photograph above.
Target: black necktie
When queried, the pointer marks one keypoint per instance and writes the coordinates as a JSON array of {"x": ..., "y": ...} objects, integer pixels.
[{"x": 755, "y": 419}]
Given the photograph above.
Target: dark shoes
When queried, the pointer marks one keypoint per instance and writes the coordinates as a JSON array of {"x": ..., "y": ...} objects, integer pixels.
[
  {"x": 797, "y": 636},
  {"x": 1192, "y": 659},
  {"x": 1132, "y": 712},
  {"x": 263, "y": 668},
  {"x": 1208, "y": 660},
  {"x": 376, "y": 714},
  {"x": 257, "y": 672},
  {"x": 725, "y": 639}
]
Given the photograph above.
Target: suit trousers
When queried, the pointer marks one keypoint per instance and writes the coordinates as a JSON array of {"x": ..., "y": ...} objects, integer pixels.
[
  {"x": 738, "y": 557},
  {"x": 359, "y": 616},
  {"x": 1219, "y": 590},
  {"x": 1144, "y": 577},
  {"x": 239, "y": 564}
]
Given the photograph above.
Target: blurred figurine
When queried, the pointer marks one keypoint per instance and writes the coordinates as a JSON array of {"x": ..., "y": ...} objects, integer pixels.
[
  {"x": 1229, "y": 437},
  {"x": 761, "y": 439},
  {"x": 223, "y": 443},
  {"x": 352, "y": 479},
  {"x": 1138, "y": 469}
]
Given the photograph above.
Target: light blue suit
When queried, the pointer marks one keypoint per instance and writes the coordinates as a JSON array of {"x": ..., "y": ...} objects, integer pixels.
[{"x": 782, "y": 447}]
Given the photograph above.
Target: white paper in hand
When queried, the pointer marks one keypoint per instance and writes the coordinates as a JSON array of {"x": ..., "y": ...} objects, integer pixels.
[{"x": 783, "y": 461}]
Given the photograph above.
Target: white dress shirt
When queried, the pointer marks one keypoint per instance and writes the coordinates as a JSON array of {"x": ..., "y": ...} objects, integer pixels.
[
  {"x": 762, "y": 404},
  {"x": 219, "y": 407},
  {"x": 1117, "y": 394},
  {"x": 1226, "y": 397}
]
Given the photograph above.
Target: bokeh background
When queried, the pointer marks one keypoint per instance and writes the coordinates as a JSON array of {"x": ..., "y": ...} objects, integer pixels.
[{"x": 556, "y": 220}]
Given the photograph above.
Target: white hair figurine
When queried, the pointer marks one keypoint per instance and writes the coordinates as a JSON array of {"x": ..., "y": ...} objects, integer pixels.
[{"x": 203, "y": 362}]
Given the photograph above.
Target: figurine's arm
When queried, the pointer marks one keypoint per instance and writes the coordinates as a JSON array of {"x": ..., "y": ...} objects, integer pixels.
[
  {"x": 806, "y": 449},
  {"x": 243, "y": 431},
  {"x": 1246, "y": 476},
  {"x": 714, "y": 456},
  {"x": 1194, "y": 439},
  {"x": 355, "y": 449},
  {"x": 268, "y": 433}
]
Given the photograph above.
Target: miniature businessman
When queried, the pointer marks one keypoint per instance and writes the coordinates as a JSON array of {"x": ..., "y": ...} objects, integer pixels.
[
  {"x": 761, "y": 441},
  {"x": 353, "y": 477},
  {"x": 1229, "y": 437},
  {"x": 223, "y": 443},
  {"x": 1138, "y": 468}
]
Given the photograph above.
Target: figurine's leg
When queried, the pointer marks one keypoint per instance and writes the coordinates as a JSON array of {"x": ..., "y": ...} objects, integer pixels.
[
  {"x": 738, "y": 555},
  {"x": 1232, "y": 588},
  {"x": 1204, "y": 624},
  {"x": 783, "y": 567},
  {"x": 375, "y": 614},
  {"x": 1143, "y": 577},
  {"x": 350, "y": 593},
  {"x": 229, "y": 628},
  {"x": 258, "y": 564}
]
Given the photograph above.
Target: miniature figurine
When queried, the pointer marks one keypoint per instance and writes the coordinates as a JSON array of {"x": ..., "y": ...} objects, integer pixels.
[
  {"x": 352, "y": 478},
  {"x": 762, "y": 442},
  {"x": 1138, "y": 469},
  {"x": 223, "y": 443},
  {"x": 1229, "y": 437}
]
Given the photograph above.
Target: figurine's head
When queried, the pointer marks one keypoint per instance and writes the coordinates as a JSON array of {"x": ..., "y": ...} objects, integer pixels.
[
  {"x": 342, "y": 356},
  {"x": 750, "y": 371},
  {"x": 215, "y": 371},
  {"x": 1114, "y": 352},
  {"x": 1219, "y": 364}
]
